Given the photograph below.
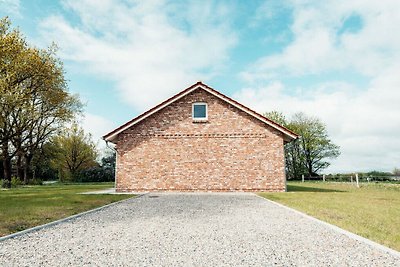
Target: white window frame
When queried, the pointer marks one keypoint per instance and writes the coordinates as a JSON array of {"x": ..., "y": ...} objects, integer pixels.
[{"x": 197, "y": 104}]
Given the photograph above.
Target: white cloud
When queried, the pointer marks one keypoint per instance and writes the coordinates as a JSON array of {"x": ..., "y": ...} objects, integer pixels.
[
  {"x": 317, "y": 46},
  {"x": 269, "y": 10},
  {"x": 363, "y": 121},
  {"x": 11, "y": 7},
  {"x": 97, "y": 126},
  {"x": 364, "y": 124},
  {"x": 149, "y": 48}
]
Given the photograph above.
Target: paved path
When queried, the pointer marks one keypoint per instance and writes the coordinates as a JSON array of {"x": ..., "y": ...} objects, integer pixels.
[{"x": 194, "y": 229}]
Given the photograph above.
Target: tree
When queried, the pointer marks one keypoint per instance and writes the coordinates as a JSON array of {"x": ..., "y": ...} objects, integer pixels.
[
  {"x": 396, "y": 171},
  {"x": 108, "y": 163},
  {"x": 12, "y": 46},
  {"x": 103, "y": 172},
  {"x": 74, "y": 151},
  {"x": 294, "y": 156},
  {"x": 277, "y": 117},
  {"x": 42, "y": 163},
  {"x": 34, "y": 99},
  {"x": 314, "y": 142},
  {"x": 309, "y": 153}
]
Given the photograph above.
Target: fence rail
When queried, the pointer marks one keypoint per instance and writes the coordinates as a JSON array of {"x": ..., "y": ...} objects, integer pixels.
[{"x": 352, "y": 178}]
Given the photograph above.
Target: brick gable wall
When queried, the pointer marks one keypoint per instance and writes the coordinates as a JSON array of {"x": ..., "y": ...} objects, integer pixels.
[{"x": 231, "y": 151}]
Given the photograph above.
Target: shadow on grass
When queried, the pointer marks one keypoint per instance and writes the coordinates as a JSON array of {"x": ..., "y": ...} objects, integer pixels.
[{"x": 298, "y": 188}]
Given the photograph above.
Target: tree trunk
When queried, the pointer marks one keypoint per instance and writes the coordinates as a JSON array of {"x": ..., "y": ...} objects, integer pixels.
[
  {"x": 310, "y": 169},
  {"x": 6, "y": 165},
  {"x": 28, "y": 160},
  {"x": 20, "y": 172}
]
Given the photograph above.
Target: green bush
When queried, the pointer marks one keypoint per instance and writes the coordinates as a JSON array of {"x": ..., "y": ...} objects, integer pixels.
[
  {"x": 5, "y": 183},
  {"x": 96, "y": 174},
  {"x": 15, "y": 182},
  {"x": 35, "y": 181}
]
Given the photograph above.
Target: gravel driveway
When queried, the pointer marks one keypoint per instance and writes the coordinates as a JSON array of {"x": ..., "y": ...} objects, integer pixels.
[{"x": 193, "y": 229}]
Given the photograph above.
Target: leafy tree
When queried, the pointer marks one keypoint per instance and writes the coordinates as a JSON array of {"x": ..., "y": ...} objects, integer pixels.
[
  {"x": 309, "y": 153},
  {"x": 42, "y": 163},
  {"x": 378, "y": 173},
  {"x": 12, "y": 46},
  {"x": 108, "y": 165},
  {"x": 103, "y": 172},
  {"x": 74, "y": 151},
  {"x": 314, "y": 141},
  {"x": 294, "y": 156},
  {"x": 34, "y": 100},
  {"x": 277, "y": 117}
]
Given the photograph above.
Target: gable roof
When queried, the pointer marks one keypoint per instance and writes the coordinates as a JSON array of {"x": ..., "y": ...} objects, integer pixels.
[{"x": 288, "y": 134}]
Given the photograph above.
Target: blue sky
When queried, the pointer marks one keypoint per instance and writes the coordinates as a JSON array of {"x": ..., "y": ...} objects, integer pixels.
[{"x": 337, "y": 60}]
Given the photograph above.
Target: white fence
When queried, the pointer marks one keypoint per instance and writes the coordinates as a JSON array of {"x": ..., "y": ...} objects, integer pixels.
[{"x": 353, "y": 178}]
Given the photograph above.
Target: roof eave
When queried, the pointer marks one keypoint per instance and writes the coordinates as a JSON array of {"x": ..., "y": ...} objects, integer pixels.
[{"x": 108, "y": 139}]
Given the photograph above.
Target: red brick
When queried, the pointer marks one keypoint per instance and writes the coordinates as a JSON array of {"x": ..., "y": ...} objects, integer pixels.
[{"x": 231, "y": 151}]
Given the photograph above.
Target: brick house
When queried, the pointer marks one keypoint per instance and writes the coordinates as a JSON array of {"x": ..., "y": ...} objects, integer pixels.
[{"x": 200, "y": 140}]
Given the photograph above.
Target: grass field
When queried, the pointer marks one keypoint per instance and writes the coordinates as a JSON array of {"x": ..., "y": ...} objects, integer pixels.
[
  {"x": 372, "y": 211},
  {"x": 25, "y": 207}
]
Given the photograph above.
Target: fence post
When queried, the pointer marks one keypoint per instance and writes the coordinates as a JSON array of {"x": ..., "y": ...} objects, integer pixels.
[
  {"x": 351, "y": 178},
  {"x": 357, "y": 180},
  {"x": 323, "y": 177},
  {"x": 302, "y": 178}
]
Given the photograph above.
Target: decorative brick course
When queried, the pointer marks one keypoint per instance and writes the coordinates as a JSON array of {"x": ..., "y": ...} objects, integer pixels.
[{"x": 230, "y": 151}]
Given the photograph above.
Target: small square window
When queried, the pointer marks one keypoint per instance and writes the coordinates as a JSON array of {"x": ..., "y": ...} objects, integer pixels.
[{"x": 199, "y": 111}]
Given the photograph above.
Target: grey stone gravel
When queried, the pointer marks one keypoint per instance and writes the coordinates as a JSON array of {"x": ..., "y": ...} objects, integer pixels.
[{"x": 191, "y": 229}]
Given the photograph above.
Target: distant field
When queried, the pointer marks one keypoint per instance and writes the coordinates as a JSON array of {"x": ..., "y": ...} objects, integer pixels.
[
  {"x": 25, "y": 207},
  {"x": 372, "y": 211}
]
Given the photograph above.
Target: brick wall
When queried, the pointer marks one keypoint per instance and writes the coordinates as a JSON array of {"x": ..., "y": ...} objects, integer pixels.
[{"x": 231, "y": 151}]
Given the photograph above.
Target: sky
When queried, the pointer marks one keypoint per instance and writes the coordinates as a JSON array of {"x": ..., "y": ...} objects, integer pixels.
[{"x": 336, "y": 60}]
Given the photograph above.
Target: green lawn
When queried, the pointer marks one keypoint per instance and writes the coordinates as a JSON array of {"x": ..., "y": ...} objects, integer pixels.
[
  {"x": 372, "y": 211},
  {"x": 25, "y": 207}
]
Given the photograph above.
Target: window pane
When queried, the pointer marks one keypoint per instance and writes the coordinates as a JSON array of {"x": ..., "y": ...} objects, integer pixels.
[{"x": 199, "y": 111}]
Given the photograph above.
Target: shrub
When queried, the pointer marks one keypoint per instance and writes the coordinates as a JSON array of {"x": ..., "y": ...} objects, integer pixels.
[
  {"x": 35, "y": 181},
  {"x": 96, "y": 174},
  {"x": 15, "y": 182},
  {"x": 5, "y": 183}
]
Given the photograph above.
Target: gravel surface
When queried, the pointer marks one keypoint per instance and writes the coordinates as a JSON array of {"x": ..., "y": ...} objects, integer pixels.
[{"x": 193, "y": 229}]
